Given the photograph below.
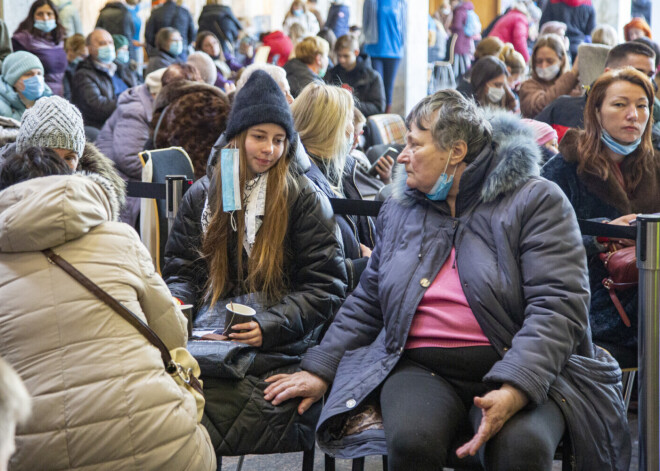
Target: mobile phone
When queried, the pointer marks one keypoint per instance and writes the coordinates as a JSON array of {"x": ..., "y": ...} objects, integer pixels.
[{"x": 391, "y": 152}]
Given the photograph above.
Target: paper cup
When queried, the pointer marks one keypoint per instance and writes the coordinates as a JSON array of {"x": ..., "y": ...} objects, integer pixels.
[
  {"x": 187, "y": 310},
  {"x": 239, "y": 315}
]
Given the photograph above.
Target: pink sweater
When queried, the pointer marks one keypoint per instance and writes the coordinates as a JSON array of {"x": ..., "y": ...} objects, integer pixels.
[{"x": 444, "y": 318}]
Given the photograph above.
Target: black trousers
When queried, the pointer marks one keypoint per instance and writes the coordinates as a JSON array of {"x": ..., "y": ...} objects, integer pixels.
[{"x": 427, "y": 406}]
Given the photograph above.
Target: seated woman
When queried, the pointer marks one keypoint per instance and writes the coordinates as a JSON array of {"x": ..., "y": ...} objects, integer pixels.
[
  {"x": 550, "y": 78},
  {"x": 323, "y": 116},
  {"x": 101, "y": 396},
  {"x": 471, "y": 317},
  {"x": 278, "y": 253},
  {"x": 609, "y": 172},
  {"x": 228, "y": 67},
  {"x": 169, "y": 44},
  {"x": 22, "y": 84},
  {"x": 488, "y": 84}
]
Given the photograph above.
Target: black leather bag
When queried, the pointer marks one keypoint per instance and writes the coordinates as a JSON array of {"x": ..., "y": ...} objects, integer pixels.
[{"x": 222, "y": 358}]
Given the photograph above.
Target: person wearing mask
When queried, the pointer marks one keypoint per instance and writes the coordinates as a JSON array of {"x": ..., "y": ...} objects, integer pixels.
[
  {"x": 170, "y": 44},
  {"x": 309, "y": 65},
  {"x": 637, "y": 28},
  {"x": 69, "y": 17},
  {"x": 115, "y": 17},
  {"x": 567, "y": 112},
  {"x": 283, "y": 259},
  {"x": 228, "y": 68},
  {"x": 170, "y": 15},
  {"x": 550, "y": 76},
  {"x": 125, "y": 134},
  {"x": 579, "y": 17},
  {"x": 488, "y": 84},
  {"x": 384, "y": 32},
  {"x": 121, "y": 48},
  {"x": 42, "y": 35},
  {"x": 355, "y": 74},
  {"x": 513, "y": 27},
  {"x": 99, "y": 80},
  {"x": 15, "y": 400},
  {"x": 76, "y": 52},
  {"x": 218, "y": 19},
  {"x": 299, "y": 14},
  {"x": 22, "y": 84},
  {"x": 610, "y": 172}
]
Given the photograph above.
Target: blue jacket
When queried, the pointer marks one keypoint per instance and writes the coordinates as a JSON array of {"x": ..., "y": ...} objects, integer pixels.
[
  {"x": 580, "y": 21},
  {"x": 593, "y": 198},
  {"x": 523, "y": 270},
  {"x": 11, "y": 105}
]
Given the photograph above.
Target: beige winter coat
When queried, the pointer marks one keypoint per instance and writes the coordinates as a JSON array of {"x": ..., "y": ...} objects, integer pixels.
[
  {"x": 536, "y": 94},
  {"x": 102, "y": 400}
]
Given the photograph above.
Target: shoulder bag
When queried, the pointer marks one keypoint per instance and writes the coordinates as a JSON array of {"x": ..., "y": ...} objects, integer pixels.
[
  {"x": 621, "y": 265},
  {"x": 179, "y": 363}
]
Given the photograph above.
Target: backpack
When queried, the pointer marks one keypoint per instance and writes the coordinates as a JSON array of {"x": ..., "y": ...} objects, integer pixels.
[{"x": 472, "y": 24}]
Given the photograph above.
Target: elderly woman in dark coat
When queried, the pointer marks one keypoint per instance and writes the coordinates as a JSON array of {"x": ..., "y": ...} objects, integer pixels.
[
  {"x": 471, "y": 317},
  {"x": 609, "y": 172}
]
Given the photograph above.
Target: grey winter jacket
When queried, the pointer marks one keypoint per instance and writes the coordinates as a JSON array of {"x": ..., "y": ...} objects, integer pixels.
[
  {"x": 299, "y": 76},
  {"x": 523, "y": 269}
]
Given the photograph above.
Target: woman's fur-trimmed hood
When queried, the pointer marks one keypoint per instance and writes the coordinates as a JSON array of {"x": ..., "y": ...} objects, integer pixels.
[
  {"x": 92, "y": 163},
  {"x": 511, "y": 160}
]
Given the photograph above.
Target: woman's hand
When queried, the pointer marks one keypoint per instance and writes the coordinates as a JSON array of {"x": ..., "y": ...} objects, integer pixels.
[
  {"x": 622, "y": 221},
  {"x": 229, "y": 87},
  {"x": 497, "y": 407},
  {"x": 301, "y": 384},
  {"x": 384, "y": 168},
  {"x": 366, "y": 251},
  {"x": 253, "y": 336}
]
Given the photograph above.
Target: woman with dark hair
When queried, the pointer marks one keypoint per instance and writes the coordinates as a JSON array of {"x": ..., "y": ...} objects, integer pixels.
[
  {"x": 610, "y": 171},
  {"x": 550, "y": 78},
  {"x": 488, "y": 84},
  {"x": 42, "y": 35},
  {"x": 228, "y": 67}
]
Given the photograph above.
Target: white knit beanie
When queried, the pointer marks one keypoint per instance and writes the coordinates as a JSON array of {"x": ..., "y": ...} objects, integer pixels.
[
  {"x": 52, "y": 122},
  {"x": 204, "y": 65},
  {"x": 154, "y": 81}
]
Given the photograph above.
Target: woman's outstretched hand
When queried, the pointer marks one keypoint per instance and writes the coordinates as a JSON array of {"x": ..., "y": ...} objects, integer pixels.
[
  {"x": 497, "y": 407},
  {"x": 301, "y": 384}
]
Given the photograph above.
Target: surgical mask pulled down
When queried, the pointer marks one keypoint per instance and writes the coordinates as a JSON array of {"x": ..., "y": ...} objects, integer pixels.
[{"x": 443, "y": 184}]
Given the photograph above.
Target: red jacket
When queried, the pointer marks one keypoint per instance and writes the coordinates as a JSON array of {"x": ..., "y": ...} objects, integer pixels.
[
  {"x": 513, "y": 28},
  {"x": 280, "y": 45}
]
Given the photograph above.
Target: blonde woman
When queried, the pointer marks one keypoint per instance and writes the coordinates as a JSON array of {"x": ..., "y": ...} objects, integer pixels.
[
  {"x": 323, "y": 115},
  {"x": 515, "y": 65},
  {"x": 278, "y": 253}
]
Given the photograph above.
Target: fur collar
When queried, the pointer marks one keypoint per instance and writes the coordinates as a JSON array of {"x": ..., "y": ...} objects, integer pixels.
[
  {"x": 512, "y": 160},
  {"x": 643, "y": 200},
  {"x": 93, "y": 163}
]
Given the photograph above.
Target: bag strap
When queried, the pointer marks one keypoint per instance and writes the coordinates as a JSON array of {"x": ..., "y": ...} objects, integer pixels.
[{"x": 124, "y": 312}]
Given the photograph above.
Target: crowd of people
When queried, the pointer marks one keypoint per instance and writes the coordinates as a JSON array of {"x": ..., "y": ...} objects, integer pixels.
[{"x": 461, "y": 320}]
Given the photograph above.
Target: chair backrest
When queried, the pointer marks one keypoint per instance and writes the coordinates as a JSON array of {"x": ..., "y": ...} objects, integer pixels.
[
  {"x": 261, "y": 55},
  {"x": 158, "y": 164},
  {"x": 386, "y": 129}
]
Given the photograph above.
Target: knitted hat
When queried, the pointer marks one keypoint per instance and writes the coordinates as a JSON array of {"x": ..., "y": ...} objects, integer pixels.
[
  {"x": 543, "y": 132},
  {"x": 154, "y": 81},
  {"x": 204, "y": 65},
  {"x": 259, "y": 101},
  {"x": 639, "y": 23},
  {"x": 52, "y": 122},
  {"x": 18, "y": 63},
  {"x": 120, "y": 40}
]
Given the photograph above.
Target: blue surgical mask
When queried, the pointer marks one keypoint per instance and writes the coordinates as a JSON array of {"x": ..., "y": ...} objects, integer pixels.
[
  {"x": 34, "y": 87},
  {"x": 107, "y": 54},
  {"x": 176, "y": 48},
  {"x": 621, "y": 149},
  {"x": 442, "y": 186},
  {"x": 230, "y": 177},
  {"x": 45, "y": 26},
  {"x": 298, "y": 13},
  {"x": 122, "y": 56},
  {"x": 77, "y": 60}
]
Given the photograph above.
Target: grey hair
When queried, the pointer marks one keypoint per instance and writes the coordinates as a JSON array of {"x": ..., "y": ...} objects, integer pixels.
[
  {"x": 277, "y": 73},
  {"x": 451, "y": 118},
  {"x": 15, "y": 404}
]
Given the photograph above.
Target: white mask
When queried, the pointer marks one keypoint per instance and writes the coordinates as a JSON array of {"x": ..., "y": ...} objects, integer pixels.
[
  {"x": 548, "y": 73},
  {"x": 495, "y": 94}
]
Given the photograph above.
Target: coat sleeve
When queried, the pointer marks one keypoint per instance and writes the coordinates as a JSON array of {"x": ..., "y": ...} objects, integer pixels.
[
  {"x": 90, "y": 97},
  {"x": 149, "y": 33},
  {"x": 534, "y": 97},
  {"x": 130, "y": 134},
  {"x": 185, "y": 272},
  {"x": 318, "y": 286},
  {"x": 163, "y": 315},
  {"x": 374, "y": 102},
  {"x": 5, "y": 41},
  {"x": 555, "y": 286},
  {"x": 358, "y": 322}
]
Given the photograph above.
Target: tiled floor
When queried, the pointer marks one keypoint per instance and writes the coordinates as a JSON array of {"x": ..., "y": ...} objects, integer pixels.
[{"x": 293, "y": 461}]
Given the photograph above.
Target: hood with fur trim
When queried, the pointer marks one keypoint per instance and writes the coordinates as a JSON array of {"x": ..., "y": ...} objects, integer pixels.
[
  {"x": 46, "y": 212},
  {"x": 94, "y": 162},
  {"x": 510, "y": 161}
]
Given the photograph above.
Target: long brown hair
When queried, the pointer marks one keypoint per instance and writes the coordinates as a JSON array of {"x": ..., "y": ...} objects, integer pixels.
[
  {"x": 591, "y": 150},
  {"x": 265, "y": 270},
  {"x": 555, "y": 43},
  {"x": 27, "y": 24}
]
